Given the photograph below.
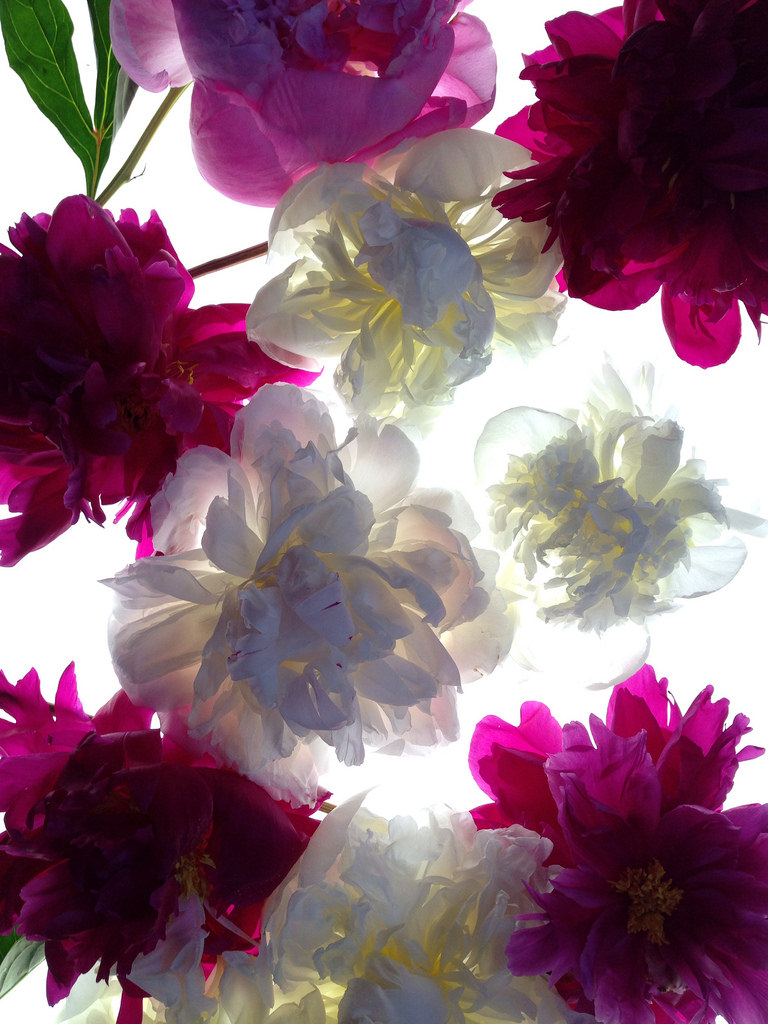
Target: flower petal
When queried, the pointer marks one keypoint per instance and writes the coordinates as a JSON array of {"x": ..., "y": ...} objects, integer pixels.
[{"x": 696, "y": 336}]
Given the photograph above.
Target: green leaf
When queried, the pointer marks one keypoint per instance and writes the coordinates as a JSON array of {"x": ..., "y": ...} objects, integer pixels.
[
  {"x": 6, "y": 941},
  {"x": 38, "y": 41},
  {"x": 107, "y": 70},
  {"x": 22, "y": 958}
]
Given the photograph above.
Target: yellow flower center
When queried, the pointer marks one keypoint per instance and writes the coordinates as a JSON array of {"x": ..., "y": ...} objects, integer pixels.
[
  {"x": 189, "y": 872},
  {"x": 605, "y": 545},
  {"x": 652, "y": 898}
]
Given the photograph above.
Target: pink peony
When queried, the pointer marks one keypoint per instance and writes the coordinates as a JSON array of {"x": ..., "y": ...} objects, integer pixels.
[
  {"x": 108, "y": 376},
  {"x": 285, "y": 86},
  {"x": 661, "y": 910},
  {"x": 507, "y": 762},
  {"x": 649, "y": 141},
  {"x": 111, "y": 831}
]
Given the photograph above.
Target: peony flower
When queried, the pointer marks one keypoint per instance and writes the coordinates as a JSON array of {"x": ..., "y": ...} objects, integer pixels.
[
  {"x": 402, "y": 923},
  {"x": 599, "y": 520},
  {"x": 695, "y": 755},
  {"x": 108, "y": 375},
  {"x": 507, "y": 762},
  {"x": 649, "y": 165},
  {"x": 314, "y": 610},
  {"x": 407, "y": 276},
  {"x": 661, "y": 910},
  {"x": 282, "y": 87},
  {"x": 122, "y": 851},
  {"x": 38, "y": 727}
]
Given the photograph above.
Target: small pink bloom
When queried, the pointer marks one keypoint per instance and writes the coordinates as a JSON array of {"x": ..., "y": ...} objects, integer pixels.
[
  {"x": 37, "y": 726},
  {"x": 507, "y": 762},
  {"x": 694, "y": 753}
]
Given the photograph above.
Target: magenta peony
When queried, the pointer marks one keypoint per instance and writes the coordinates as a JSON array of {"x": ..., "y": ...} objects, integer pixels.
[
  {"x": 112, "y": 833},
  {"x": 282, "y": 87},
  {"x": 107, "y": 375},
  {"x": 649, "y": 140},
  {"x": 661, "y": 910}
]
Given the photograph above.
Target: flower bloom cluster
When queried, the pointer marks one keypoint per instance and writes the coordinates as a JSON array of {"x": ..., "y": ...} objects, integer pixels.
[
  {"x": 660, "y": 911},
  {"x": 313, "y": 611},
  {"x": 121, "y": 850},
  {"x": 401, "y": 923},
  {"x": 407, "y": 275},
  {"x": 650, "y": 162},
  {"x": 108, "y": 375},
  {"x": 600, "y": 520},
  {"x": 282, "y": 87}
]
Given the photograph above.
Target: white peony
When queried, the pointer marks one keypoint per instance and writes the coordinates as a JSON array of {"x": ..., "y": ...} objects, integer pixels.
[
  {"x": 400, "y": 923},
  {"x": 319, "y": 606},
  {"x": 598, "y": 518},
  {"x": 407, "y": 274}
]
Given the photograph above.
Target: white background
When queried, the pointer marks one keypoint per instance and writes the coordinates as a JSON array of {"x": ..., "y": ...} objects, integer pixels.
[{"x": 53, "y": 610}]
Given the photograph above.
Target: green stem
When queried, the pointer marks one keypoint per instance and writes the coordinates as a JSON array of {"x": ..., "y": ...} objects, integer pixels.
[
  {"x": 126, "y": 171},
  {"x": 222, "y": 262}
]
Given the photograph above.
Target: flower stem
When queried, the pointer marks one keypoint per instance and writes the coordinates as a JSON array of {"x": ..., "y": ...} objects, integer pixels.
[
  {"x": 126, "y": 171},
  {"x": 222, "y": 262}
]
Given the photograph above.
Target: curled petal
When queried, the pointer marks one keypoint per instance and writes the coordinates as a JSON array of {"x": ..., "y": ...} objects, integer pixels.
[
  {"x": 146, "y": 39},
  {"x": 696, "y": 335}
]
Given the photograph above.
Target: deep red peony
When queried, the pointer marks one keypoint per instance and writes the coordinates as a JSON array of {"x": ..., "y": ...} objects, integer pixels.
[
  {"x": 111, "y": 831},
  {"x": 650, "y": 136},
  {"x": 107, "y": 374}
]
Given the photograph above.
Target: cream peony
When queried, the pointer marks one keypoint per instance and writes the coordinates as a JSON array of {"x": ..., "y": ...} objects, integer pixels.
[
  {"x": 598, "y": 517},
  {"x": 400, "y": 923},
  {"x": 408, "y": 275}
]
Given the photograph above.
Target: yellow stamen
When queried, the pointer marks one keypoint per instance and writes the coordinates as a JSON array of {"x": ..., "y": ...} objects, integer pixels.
[
  {"x": 652, "y": 898},
  {"x": 190, "y": 875}
]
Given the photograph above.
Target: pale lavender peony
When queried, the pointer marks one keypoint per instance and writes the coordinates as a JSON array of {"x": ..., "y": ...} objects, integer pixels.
[
  {"x": 321, "y": 605},
  {"x": 282, "y": 87}
]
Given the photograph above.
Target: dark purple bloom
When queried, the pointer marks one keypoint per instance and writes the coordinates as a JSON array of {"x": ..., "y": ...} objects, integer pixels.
[
  {"x": 108, "y": 831},
  {"x": 694, "y": 753},
  {"x": 661, "y": 910},
  {"x": 650, "y": 136},
  {"x": 107, "y": 374}
]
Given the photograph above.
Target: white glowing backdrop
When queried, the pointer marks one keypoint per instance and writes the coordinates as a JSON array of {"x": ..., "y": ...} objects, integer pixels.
[{"x": 54, "y": 610}]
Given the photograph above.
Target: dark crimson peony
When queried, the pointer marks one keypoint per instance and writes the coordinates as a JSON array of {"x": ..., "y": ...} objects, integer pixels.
[
  {"x": 112, "y": 833},
  {"x": 660, "y": 913},
  {"x": 650, "y": 136},
  {"x": 106, "y": 375}
]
